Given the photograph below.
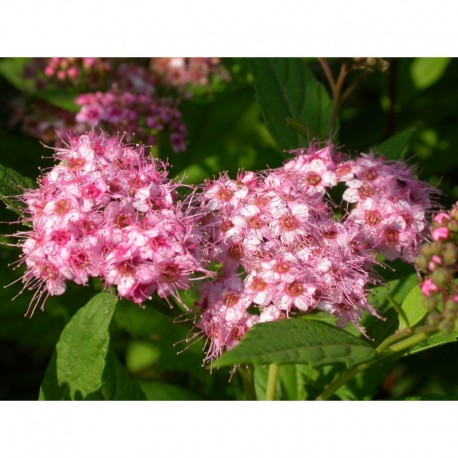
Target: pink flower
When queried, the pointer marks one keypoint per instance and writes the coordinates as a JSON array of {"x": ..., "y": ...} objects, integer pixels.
[
  {"x": 276, "y": 232},
  {"x": 108, "y": 210}
]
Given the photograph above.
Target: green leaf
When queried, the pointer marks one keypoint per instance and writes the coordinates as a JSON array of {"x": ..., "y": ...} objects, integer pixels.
[
  {"x": 60, "y": 98},
  {"x": 425, "y": 71},
  {"x": 297, "y": 341},
  {"x": 381, "y": 297},
  {"x": 394, "y": 147},
  {"x": 12, "y": 69},
  {"x": 435, "y": 340},
  {"x": 364, "y": 385},
  {"x": 297, "y": 382},
  {"x": 116, "y": 384},
  {"x": 13, "y": 184},
  {"x": 413, "y": 308},
  {"x": 50, "y": 390},
  {"x": 288, "y": 92},
  {"x": 83, "y": 347}
]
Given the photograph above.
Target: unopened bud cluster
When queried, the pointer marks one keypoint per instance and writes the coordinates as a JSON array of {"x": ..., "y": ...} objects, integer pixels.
[{"x": 438, "y": 260}]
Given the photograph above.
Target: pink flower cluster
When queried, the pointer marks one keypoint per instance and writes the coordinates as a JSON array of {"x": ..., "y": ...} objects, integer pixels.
[
  {"x": 389, "y": 204},
  {"x": 108, "y": 210},
  {"x": 141, "y": 116},
  {"x": 280, "y": 248},
  {"x": 438, "y": 260},
  {"x": 183, "y": 72},
  {"x": 69, "y": 71},
  {"x": 131, "y": 105},
  {"x": 119, "y": 95},
  {"x": 278, "y": 243}
]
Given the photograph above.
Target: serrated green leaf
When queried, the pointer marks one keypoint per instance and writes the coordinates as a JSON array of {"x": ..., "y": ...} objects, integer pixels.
[
  {"x": 425, "y": 71},
  {"x": 83, "y": 347},
  {"x": 116, "y": 384},
  {"x": 413, "y": 308},
  {"x": 394, "y": 147},
  {"x": 287, "y": 90},
  {"x": 12, "y": 184},
  {"x": 299, "y": 342}
]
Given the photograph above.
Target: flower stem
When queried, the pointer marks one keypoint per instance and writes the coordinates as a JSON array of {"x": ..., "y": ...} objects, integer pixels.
[
  {"x": 336, "y": 90},
  {"x": 328, "y": 73},
  {"x": 272, "y": 382},
  {"x": 342, "y": 380},
  {"x": 247, "y": 376}
]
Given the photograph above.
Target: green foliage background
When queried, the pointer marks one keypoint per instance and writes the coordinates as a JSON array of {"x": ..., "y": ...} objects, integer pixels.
[{"x": 247, "y": 123}]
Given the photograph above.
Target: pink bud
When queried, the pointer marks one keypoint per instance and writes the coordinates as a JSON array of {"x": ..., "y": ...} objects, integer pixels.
[
  {"x": 72, "y": 72},
  {"x": 441, "y": 233},
  {"x": 428, "y": 287},
  {"x": 49, "y": 71},
  {"x": 439, "y": 218}
]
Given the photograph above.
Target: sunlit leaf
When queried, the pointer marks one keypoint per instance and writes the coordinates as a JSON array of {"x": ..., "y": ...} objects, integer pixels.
[
  {"x": 426, "y": 71},
  {"x": 413, "y": 308},
  {"x": 83, "y": 346},
  {"x": 297, "y": 341}
]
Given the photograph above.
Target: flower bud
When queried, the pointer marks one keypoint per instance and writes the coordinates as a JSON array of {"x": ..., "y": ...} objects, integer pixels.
[
  {"x": 454, "y": 212},
  {"x": 440, "y": 233},
  {"x": 449, "y": 315},
  {"x": 437, "y": 247},
  {"x": 450, "y": 254},
  {"x": 430, "y": 303},
  {"x": 440, "y": 276},
  {"x": 451, "y": 305},
  {"x": 453, "y": 226},
  {"x": 441, "y": 217},
  {"x": 434, "y": 318},
  {"x": 446, "y": 326},
  {"x": 426, "y": 250},
  {"x": 428, "y": 288},
  {"x": 422, "y": 262}
]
